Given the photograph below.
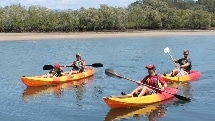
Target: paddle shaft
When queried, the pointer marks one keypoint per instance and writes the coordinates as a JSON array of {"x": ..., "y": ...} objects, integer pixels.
[
  {"x": 111, "y": 72},
  {"x": 172, "y": 59},
  {"x": 137, "y": 83},
  {"x": 144, "y": 84},
  {"x": 73, "y": 66},
  {"x": 48, "y": 67},
  {"x": 175, "y": 63}
]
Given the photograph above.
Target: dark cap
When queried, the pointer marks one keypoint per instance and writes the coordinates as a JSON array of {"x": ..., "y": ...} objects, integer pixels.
[{"x": 78, "y": 55}]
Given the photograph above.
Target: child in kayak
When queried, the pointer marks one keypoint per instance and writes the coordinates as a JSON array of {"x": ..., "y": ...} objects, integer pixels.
[{"x": 55, "y": 72}]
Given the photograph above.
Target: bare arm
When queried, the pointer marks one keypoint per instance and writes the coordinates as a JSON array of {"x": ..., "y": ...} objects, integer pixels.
[
  {"x": 163, "y": 83},
  {"x": 83, "y": 63},
  {"x": 71, "y": 64},
  {"x": 185, "y": 65},
  {"x": 176, "y": 60}
]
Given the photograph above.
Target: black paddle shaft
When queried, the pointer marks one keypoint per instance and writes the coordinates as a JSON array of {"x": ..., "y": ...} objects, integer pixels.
[{"x": 49, "y": 67}]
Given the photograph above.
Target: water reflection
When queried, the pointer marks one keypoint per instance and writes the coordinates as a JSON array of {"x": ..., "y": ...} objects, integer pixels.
[
  {"x": 183, "y": 87},
  {"x": 148, "y": 113},
  {"x": 77, "y": 86},
  {"x": 184, "y": 90}
]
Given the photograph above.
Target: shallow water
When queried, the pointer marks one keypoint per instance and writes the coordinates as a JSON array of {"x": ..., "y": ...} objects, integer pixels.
[{"x": 82, "y": 100}]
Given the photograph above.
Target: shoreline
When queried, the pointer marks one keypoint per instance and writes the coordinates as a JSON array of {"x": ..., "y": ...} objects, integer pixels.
[{"x": 82, "y": 35}]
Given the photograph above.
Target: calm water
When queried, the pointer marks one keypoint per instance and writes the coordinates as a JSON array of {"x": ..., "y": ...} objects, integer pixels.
[{"x": 82, "y": 100}]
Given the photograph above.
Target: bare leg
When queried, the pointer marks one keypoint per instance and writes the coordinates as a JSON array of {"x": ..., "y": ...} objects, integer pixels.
[
  {"x": 182, "y": 73},
  {"x": 135, "y": 91},
  {"x": 49, "y": 76},
  {"x": 72, "y": 72},
  {"x": 174, "y": 72},
  {"x": 144, "y": 91},
  {"x": 65, "y": 73},
  {"x": 45, "y": 75}
]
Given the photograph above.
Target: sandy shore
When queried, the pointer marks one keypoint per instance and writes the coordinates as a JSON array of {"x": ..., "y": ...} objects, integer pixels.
[{"x": 49, "y": 36}]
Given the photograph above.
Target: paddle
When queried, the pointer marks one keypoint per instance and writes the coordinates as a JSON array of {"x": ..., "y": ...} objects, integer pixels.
[
  {"x": 114, "y": 74},
  {"x": 48, "y": 67},
  {"x": 167, "y": 50}
]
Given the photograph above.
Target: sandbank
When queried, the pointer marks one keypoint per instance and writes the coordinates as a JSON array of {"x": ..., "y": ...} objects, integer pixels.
[{"x": 77, "y": 35}]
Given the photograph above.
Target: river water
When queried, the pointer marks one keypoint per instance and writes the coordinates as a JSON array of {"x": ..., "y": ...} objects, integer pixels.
[{"x": 82, "y": 100}]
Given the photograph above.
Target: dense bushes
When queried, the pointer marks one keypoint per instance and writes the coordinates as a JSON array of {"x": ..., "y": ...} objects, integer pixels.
[{"x": 142, "y": 14}]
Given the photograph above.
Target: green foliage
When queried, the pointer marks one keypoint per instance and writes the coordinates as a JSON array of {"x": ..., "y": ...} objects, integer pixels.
[
  {"x": 213, "y": 20},
  {"x": 208, "y": 5},
  {"x": 200, "y": 19},
  {"x": 142, "y": 14}
]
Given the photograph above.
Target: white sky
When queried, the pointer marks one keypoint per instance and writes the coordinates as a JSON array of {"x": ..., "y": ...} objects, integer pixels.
[{"x": 67, "y": 4}]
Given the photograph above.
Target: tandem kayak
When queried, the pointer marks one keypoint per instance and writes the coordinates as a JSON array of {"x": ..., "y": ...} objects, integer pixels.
[
  {"x": 40, "y": 81},
  {"x": 33, "y": 92},
  {"x": 193, "y": 75},
  {"x": 129, "y": 101}
]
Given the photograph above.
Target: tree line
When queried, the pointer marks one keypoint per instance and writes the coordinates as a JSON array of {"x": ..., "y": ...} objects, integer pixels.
[{"x": 142, "y": 14}]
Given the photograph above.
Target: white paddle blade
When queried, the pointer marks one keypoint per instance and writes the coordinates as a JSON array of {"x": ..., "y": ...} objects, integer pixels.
[{"x": 166, "y": 50}]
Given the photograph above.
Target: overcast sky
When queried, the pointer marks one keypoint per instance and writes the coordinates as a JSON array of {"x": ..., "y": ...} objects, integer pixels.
[{"x": 67, "y": 4}]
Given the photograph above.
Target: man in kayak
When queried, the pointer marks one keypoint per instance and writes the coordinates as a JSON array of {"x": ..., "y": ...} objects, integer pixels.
[
  {"x": 78, "y": 65},
  {"x": 55, "y": 72},
  {"x": 150, "y": 84},
  {"x": 184, "y": 66}
]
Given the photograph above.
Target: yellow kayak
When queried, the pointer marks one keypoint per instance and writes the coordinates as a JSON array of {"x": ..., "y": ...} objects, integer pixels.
[
  {"x": 30, "y": 92},
  {"x": 193, "y": 75},
  {"x": 128, "y": 101},
  {"x": 40, "y": 81}
]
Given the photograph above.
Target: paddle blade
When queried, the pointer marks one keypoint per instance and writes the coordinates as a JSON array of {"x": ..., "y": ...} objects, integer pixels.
[
  {"x": 97, "y": 65},
  {"x": 112, "y": 73},
  {"x": 182, "y": 97},
  {"x": 166, "y": 50},
  {"x": 48, "y": 67}
]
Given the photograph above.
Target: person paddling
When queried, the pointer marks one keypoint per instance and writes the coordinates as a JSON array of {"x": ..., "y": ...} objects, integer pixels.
[
  {"x": 184, "y": 66},
  {"x": 78, "y": 65},
  {"x": 149, "y": 83}
]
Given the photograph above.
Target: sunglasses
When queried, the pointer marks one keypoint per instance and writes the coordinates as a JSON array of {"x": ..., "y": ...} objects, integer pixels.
[
  {"x": 150, "y": 68},
  {"x": 186, "y": 54}
]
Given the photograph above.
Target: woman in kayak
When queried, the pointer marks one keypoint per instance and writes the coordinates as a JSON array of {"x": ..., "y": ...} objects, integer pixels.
[
  {"x": 152, "y": 83},
  {"x": 78, "y": 65},
  {"x": 55, "y": 72}
]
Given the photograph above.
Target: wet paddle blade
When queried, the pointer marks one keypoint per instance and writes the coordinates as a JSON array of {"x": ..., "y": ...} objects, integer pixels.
[
  {"x": 112, "y": 73},
  {"x": 96, "y": 65},
  {"x": 182, "y": 97},
  {"x": 48, "y": 67}
]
